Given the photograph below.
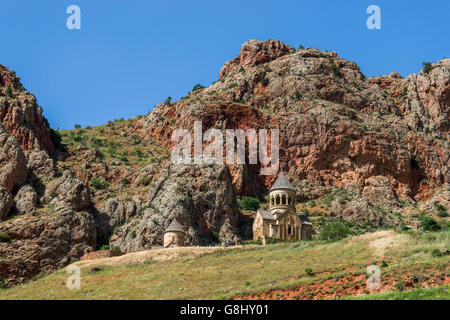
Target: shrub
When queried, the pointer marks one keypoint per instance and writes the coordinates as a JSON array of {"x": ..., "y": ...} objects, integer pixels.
[
  {"x": 441, "y": 210},
  {"x": 197, "y": 87},
  {"x": 168, "y": 101},
  {"x": 133, "y": 234},
  {"x": 436, "y": 253},
  {"x": 309, "y": 272},
  {"x": 96, "y": 183},
  {"x": 104, "y": 247},
  {"x": 106, "y": 184},
  {"x": 77, "y": 126},
  {"x": 298, "y": 95},
  {"x": 125, "y": 181},
  {"x": 73, "y": 260},
  {"x": 428, "y": 223},
  {"x": 399, "y": 286},
  {"x": 248, "y": 203},
  {"x": 427, "y": 67},
  {"x": 4, "y": 237},
  {"x": 144, "y": 181},
  {"x": 215, "y": 236},
  {"x": 334, "y": 231},
  {"x": 335, "y": 69}
]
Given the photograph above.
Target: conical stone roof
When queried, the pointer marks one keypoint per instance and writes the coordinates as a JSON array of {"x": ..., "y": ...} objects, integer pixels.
[
  {"x": 282, "y": 182},
  {"x": 174, "y": 226}
]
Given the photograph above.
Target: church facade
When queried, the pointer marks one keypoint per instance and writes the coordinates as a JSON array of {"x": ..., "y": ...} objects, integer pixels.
[{"x": 281, "y": 221}]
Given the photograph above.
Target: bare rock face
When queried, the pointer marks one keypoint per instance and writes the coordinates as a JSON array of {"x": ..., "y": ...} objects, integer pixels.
[
  {"x": 378, "y": 191},
  {"x": 337, "y": 127},
  {"x": 21, "y": 115},
  {"x": 43, "y": 244},
  {"x": 40, "y": 164},
  {"x": 200, "y": 197},
  {"x": 439, "y": 203},
  {"x": 358, "y": 210},
  {"x": 13, "y": 171},
  {"x": 68, "y": 192},
  {"x": 26, "y": 200},
  {"x": 6, "y": 203}
]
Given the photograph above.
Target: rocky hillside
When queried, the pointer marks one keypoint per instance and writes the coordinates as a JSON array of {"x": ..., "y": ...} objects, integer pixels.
[{"x": 369, "y": 150}]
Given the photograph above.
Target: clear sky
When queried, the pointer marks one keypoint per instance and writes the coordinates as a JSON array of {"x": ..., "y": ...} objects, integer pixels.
[{"x": 131, "y": 55}]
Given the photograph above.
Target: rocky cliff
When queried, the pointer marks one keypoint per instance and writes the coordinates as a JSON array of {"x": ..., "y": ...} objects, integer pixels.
[{"x": 372, "y": 150}]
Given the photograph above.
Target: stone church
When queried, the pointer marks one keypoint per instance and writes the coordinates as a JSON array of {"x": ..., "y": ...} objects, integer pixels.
[{"x": 281, "y": 222}]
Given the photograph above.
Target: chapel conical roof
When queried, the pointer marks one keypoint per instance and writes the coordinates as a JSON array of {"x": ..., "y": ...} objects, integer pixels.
[
  {"x": 174, "y": 226},
  {"x": 282, "y": 182}
]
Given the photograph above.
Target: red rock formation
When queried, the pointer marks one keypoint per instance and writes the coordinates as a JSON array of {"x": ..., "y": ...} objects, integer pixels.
[{"x": 337, "y": 126}]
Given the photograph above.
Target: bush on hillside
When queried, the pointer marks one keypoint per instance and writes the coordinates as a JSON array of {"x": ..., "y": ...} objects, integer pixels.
[
  {"x": 248, "y": 203},
  {"x": 334, "y": 231},
  {"x": 429, "y": 224}
]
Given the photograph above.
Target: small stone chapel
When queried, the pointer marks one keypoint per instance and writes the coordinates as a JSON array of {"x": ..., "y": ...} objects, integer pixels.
[{"x": 281, "y": 222}]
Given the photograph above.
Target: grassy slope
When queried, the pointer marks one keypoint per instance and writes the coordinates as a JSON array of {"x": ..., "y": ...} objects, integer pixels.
[{"x": 231, "y": 273}]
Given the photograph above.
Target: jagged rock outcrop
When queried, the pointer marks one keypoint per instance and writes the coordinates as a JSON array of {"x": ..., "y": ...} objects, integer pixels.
[
  {"x": 40, "y": 164},
  {"x": 26, "y": 200},
  {"x": 68, "y": 192},
  {"x": 200, "y": 197},
  {"x": 41, "y": 244},
  {"x": 13, "y": 170},
  {"x": 21, "y": 115}
]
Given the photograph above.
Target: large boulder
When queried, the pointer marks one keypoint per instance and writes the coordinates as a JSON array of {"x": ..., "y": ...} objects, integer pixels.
[
  {"x": 42, "y": 244},
  {"x": 26, "y": 199}
]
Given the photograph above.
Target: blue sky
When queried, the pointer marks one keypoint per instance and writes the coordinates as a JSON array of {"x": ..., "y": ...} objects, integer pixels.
[{"x": 131, "y": 55}]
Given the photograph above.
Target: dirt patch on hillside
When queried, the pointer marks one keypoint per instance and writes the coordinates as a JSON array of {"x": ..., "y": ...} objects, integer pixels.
[
  {"x": 352, "y": 285},
  {"x": 169, "y": 254},
  {"x": 386, "y": 240}
]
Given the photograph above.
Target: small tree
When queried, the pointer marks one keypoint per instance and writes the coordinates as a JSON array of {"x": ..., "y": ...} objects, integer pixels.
[
  {"x": 197, "y": 87},
  {"x": 334, "y": 231},
  {"x": 77, "y": 126},
  {"x": 427, "y": 67},
  {"x": 248, "y": 203},
  {"x": 428, "y": 223}
]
